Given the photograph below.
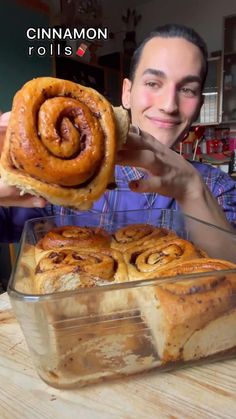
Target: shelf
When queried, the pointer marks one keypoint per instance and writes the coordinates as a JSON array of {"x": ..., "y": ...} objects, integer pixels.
[
  {"x": 229, "y": 121},
  {"x": 206, "y": 124}
]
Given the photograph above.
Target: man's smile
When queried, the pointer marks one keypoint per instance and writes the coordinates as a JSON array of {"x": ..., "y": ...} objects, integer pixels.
[{"x": 163, "y": 122}]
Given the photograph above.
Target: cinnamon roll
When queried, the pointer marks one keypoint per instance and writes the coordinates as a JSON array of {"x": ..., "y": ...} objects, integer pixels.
[
  {"x": 133, "y": 235},
  {"x": 184, "y": 316},
  {"x": 61, "y": 142},
  {"x": 149, "y": 261},
  {"x": 75, "y": 236},
  {"x": 71, "y": 269},
  {"x": 80, "y": 269}
]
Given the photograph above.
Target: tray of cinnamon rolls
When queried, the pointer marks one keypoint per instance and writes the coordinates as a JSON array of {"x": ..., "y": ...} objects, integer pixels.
[{"x": 101, "y": 296}]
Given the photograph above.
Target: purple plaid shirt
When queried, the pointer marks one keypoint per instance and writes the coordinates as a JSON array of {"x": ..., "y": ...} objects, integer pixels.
[{"x": 122, "y": 199}]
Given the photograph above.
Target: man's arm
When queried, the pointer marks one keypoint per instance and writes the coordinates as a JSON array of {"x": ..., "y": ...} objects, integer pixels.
[
  {"x": 201, "y": 203},
  {"x": 171, "y": 175}
]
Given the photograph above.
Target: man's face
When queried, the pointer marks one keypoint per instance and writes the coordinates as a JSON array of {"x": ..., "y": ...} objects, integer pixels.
[{"x": 165, "y": 96}]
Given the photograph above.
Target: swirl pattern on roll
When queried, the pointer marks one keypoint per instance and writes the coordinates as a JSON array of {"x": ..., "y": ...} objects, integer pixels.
[
  {"x": 133, "y": 235},
  {"x": 75, "y": 236},
  {"x": 78, "y": 268},
  {"x": 62, "y": 140},
  {"x": 197, "y": 266},
  {"x": 147, "y": 263}
]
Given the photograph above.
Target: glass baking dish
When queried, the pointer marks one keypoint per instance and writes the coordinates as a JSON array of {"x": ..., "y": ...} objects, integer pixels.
[{"x": 90, "y": 334}]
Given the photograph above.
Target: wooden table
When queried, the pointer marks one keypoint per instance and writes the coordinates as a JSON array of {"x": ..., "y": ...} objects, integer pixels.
[{"x": 207, "y": 391}]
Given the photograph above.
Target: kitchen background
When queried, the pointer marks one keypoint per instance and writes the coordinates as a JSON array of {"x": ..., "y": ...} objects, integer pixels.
[{"x": 105, "y": 63}]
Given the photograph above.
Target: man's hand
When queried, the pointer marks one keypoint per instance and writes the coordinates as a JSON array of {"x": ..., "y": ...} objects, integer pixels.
[
  {"x": 10, "y": 195},
  {"x": 4, "y": 120},
  {"x": 169, "y": 173}
]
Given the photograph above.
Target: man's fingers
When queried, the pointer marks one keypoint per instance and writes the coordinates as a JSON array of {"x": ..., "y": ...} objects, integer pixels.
[
  {"x": 144, "y": 159},
  {"x": 137, "y": 158},
  {"x": 24, "y": 202},
  {"x": 8, "y": 191},
  {"x": 10, "y": 197},
  {"x": 142, "y": 140},
  {"x": 151, "y": 184},
  {"x": 29, "y": 201},
  {"x": 4, "y": 119},
  {"x": 134, "y": 129}
]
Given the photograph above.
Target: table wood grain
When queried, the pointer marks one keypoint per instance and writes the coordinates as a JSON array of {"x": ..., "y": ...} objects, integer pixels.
[{"x": 206, "y": 391}]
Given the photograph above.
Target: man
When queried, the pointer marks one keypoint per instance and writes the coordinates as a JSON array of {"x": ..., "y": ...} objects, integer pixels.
[{"x": 164, "y": 95}]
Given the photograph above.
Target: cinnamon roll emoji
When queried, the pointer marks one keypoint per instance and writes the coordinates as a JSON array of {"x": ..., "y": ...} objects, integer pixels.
[{"x": 61, "y": 142}]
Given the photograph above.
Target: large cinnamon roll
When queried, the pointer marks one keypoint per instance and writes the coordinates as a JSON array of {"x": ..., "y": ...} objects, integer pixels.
[
  {"x": 61, "y": 142},
  {"x": 133, "y": 235},
  {"x": 71, "y": 269},
  {"x": 186, "y": 315},
  {"x": 75, "y": 236},
  {"x": 149, "y": 260}
]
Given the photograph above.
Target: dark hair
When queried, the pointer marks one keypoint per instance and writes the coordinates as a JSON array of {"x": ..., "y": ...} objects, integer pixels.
[{"x": 171, "y": 30}]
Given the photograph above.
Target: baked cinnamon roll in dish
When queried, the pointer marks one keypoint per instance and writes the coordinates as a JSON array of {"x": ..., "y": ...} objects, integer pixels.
[
  {"x": 71, "y": 269},
  {"x": 192, "y": 318},
  {"x": 61, "y": 142},
  {"x": 149, "y": 260},
  {"x": 133, "y": 235},
  {"x": 75, "y": 236}
]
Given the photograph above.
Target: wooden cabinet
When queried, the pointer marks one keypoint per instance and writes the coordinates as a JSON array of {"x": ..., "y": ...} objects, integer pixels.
[{"x": 229, "y": 71}]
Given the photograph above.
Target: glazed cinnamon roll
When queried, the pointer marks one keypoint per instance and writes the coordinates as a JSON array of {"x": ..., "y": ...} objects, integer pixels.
[
  {"x": 75, "y": 236},
  {"x": 61, "y": 142},
  {"x": 133, "y": 235},
  {"x": 185, "y": 316},
  {"x": 196, "y": 266},
  {"x": 146, "y": 262},
  {"x": 71, "y": 269}
]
